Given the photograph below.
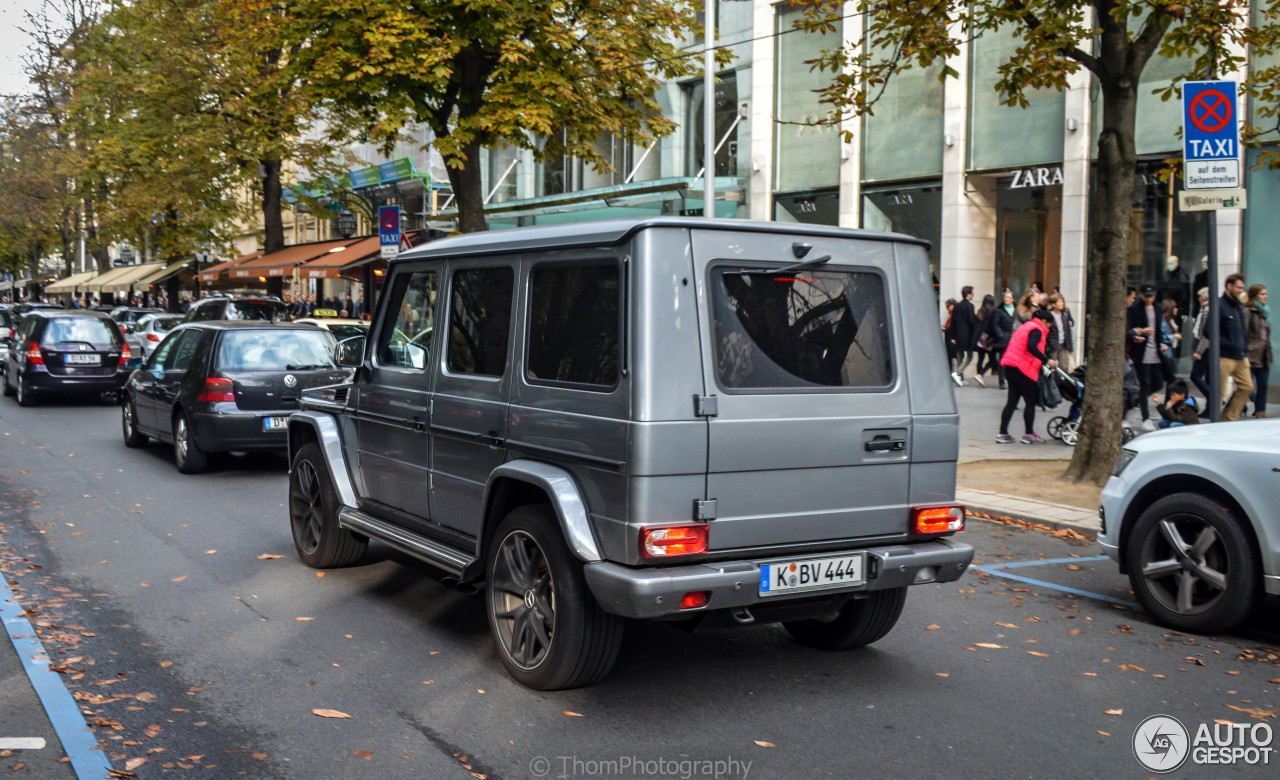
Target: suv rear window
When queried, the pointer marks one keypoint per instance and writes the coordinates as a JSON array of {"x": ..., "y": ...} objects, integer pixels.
[
  {"x": 267, "y": 311},
  {"x": 812, "y": 330},
  {"x": 574, "y": 324},
  {"x": 275, "y": 350},
  {"x": 90, "y": 330}
]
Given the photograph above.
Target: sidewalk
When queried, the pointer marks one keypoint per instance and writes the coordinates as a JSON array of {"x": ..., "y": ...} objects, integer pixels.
[{"x": 29, "y": 745}]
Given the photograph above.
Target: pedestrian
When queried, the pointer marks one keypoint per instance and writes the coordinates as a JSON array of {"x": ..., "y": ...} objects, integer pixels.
[
  {"x": 1145, "y": 339},
  {"x": 1130, "y": 296},
  {"x": 1001, "y": 327},
  {"x": 1171, "y": 338},
  {"x": 1028, "y": 306},
  {"x": 949, "y": 336},
  {"x": 1065, "y": 325},
  {"x": 1259, "y": 332},
  {"x": 1178, "y": 408},
  {"x": 1023, "y": 360},
  {"x": 1233, "y": 347},
  {"x": 983, "y": 343},
  {"x": 1200, "y": 358},
  {"x": 964, "y": 324}
]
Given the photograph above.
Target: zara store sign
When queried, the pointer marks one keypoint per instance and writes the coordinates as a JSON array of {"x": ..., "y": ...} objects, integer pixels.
[{"x": 1036, "y": 177}]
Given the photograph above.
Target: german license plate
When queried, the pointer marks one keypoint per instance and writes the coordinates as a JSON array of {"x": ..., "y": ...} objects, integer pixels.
[
  {"x": 275, "y": 423},
  {"x": 787, "y": 577},
  {"x": 84, "y": 360}
]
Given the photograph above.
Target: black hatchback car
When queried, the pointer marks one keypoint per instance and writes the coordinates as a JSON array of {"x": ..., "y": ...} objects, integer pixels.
[
  {"x": 225, "y": 387},
  {"x": 63, "y": 351}
]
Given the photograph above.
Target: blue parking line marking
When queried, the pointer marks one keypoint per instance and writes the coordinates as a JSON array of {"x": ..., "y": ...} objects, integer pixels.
[
  {"x": 87, "y": 760},
  {"x": 1002, "y": 570}
]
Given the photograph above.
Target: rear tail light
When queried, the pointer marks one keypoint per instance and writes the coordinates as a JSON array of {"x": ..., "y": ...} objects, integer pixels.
[
  {"x": 152, "y": 337},
  {"x": 668, "y": 541},
  {"x": 33, "y": 355},
  {"x": 125, "y": 354},
  {"x": 695, "y": 600},
  {"x": 937, "y": 519},
  {"x": 216, "y": 389}
]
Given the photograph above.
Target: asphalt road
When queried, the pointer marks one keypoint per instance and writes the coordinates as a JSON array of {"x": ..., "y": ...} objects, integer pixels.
[{"x": 190, "y": 649}]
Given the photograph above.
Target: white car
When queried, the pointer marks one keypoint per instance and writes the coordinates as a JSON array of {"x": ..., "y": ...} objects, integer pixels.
[
  {"x": 147, "y": 333},
  {"x": 1190, "y": 515},
  {"x": 340, "y": 328}
]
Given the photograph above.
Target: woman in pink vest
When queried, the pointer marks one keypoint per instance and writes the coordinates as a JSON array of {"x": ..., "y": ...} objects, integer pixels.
[{"x": 1022, "y": 362}]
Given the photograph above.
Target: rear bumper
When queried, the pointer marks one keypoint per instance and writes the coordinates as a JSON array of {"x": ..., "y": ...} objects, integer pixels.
[
  {"x": 238, "y": 431},
  {"x": 656, "y": 592},
  {"x": 40, "y": 380}
]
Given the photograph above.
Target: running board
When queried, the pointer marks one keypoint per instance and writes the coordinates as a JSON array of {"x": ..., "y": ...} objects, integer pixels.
[{"x": 452, "y": 560}]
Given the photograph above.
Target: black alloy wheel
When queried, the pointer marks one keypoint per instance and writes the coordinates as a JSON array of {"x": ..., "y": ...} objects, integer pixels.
[
  {"x": 129, "y": 425},
  {"x": 313, "y": 514},
  {"x": 187, "y": 454}
]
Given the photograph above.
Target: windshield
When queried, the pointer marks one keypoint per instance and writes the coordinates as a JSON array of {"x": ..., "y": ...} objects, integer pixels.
[
  {"x": 276, "y": 350},
  {"x": 268, "y": 311},
  {"x": 89, "y": 330},
  {"x": 165, "y": 324}
]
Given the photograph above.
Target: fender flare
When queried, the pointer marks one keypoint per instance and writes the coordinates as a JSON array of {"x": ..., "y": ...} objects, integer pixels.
[
  {"x": 326, "y": 433},
  {"x": 566, "y": 499}
]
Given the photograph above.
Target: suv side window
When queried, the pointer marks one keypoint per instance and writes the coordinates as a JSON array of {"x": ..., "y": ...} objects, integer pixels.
[
  {"x": 574, "y": 324},
  {"x": 208, "y": 311},
  {"x": 407, "y": 342},
  {"x": 480, "y": 320},
  {"x": 183, "y": 351}
]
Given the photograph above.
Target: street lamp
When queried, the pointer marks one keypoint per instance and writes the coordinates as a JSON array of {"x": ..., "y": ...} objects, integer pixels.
[{"x": 345, "y": 224}]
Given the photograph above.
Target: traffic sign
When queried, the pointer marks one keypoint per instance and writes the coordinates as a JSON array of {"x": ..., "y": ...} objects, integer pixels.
[
  {"x": 1210, "y": 135},
  {"x": 1212, "y": 200},
  {"x": 389, "y": 230}
]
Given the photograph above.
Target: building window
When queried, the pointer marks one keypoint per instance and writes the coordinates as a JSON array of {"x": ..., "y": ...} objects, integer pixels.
[
  {"x": 726, "y": 122},
  {"x": 1002, "y": 136},
  {"x": 910, "y": 209},
  {"x": 500, "y": 176},
  {"x": 806, "y": 136},
  {"x": 902, "y": 137},
  {"x": 812, "y": 207}
]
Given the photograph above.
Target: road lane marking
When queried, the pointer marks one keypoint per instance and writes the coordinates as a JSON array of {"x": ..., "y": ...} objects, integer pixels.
[
  {"x": 22, "y": 743},
  {"x": 1002, "y": 570},
  {"x": 80, "y": 744}
]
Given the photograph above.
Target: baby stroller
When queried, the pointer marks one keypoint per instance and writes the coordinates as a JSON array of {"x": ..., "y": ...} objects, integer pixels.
[{"x": 1066, "y": 428}]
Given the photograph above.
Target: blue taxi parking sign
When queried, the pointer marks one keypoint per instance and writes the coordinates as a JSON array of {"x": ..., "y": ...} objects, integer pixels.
[
  {"x": 389, "y": 230},
  {"x": 1210, "y": 135}
]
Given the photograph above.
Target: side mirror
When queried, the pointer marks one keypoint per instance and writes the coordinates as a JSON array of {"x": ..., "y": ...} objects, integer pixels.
[
  {"x": 133, "y": 364},
  {"x": 349, "y": 353}
]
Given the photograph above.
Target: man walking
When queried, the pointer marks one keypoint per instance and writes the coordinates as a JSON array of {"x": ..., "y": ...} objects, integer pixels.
[
  {"x": 1143, "y": 324},
  {"x": 964, "y": 324},
  {"x": 1233, "y": 341}
]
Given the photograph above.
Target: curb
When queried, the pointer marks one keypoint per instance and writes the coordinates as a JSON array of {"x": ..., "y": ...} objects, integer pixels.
[{"x": 996, "y": 514}]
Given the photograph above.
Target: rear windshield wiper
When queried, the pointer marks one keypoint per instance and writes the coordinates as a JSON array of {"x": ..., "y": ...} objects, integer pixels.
[
  {"x": 306, "y": 367},
  {"x": 786, "y": 269}
]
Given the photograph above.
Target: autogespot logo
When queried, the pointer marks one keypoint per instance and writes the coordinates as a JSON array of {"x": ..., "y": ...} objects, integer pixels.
[{"x": 1161, "y": 743}]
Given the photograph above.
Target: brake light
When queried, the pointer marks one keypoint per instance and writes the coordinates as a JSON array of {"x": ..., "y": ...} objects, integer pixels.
[
  {"x": 937, "y": 519},
  {"x": 696, "y": 599},
  {"x": 125, "y": 354},
  {"x": 33, "y": 355},
  {"x": 668, "y": 541},
  {"x": 216, "y": 389},
  {"x": 152, "y": 337}
]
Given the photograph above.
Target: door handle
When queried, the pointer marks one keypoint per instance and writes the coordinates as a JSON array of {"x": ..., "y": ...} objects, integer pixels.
[
  {"x": 493, "y": 439},
  {"x": 420, "y": 426},
  {"x": 885, "y": 444}
]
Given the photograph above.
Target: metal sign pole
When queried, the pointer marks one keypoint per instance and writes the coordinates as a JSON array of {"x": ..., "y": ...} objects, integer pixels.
[
  {"x": 709, "y": 113},
  {"x": 1215, "y": 307}
]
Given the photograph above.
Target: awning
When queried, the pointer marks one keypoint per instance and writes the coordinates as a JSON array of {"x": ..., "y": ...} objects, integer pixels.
[
  {"x": 164, "y": 273},
  {"x": 71, "y": 283},
  {"x": 283, "y": 262},
  {"x": 214, "y": 272},
  {"x": 331, "y": 264},
  {"x": 109, "y": 278},
  {"x": 132, "y": 278}
]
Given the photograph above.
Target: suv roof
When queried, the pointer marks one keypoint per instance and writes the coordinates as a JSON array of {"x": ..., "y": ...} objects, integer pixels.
[
  {"x": 247, "y": 325},
  {"x": 46, "y": 313},
  {"x": 613, "y": 232}
]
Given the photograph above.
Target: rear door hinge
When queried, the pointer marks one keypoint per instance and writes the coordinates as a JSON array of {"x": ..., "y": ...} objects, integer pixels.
[
  {"x": 705, "y": 406},
  {"x": 704, "y": 509}
]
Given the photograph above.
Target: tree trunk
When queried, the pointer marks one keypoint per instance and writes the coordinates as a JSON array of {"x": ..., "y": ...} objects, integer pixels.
[
  {"x": 1099, "y": 443},
  {"x": 468, "y": 192},
  {"x": 272, "y": 217}
]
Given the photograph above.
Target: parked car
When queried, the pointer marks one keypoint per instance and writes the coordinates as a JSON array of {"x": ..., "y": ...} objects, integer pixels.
[
  {"x": 264, "y": 309},
  {"x": 710, "y": 422},
  {"x": 7, "y": 326},
  {"x": 64, "y": 351},
  {"x": 146, "y": 334},
  {"x": 1189, "y": 514},
  {"x": 225, "y": 387},
  {"x": 341, "y": 328},
  {"x": 126, "y": 316}
]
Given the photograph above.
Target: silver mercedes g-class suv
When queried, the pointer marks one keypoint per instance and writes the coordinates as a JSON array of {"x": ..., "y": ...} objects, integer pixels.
[{"x": 710, "y": 421}]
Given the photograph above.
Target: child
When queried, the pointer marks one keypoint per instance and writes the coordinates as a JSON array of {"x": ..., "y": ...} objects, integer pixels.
[{"x": 1178, "y": 409}]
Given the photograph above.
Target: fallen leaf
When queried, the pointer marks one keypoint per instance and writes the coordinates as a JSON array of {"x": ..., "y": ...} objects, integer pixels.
[
  {"x": 330, "y": 714},
  {"x": 932, "y": 627},
  {"x": 1105, "y": 733},
  {"x": 1007, "y": 625},
  {"x": 479, "y": 690},
  {"x": 152, "y": 730},
  {"x": 1115, "y": 712},
  {"x": 166, "y": 664},
  {"x": 1132, "y": 668},
  {"x": 1224, "y": 722},
  {"x": 304, "y": 618},
  {"x": 1073, "y": 567},
  {"x": 210, "y": 552},
  {"x": 942, "y": 674},
  {"x": 1075, "y": 631},
  {"x": 179, "y": 579},
  {"x": 269, "y": 557},
  {"x": 367, "y": 755},
  {"x": 146, "y": 698},
  {"x": 134, "y": 763},
  {"x": 764, "y": 744},
  {"x": 1233, "y": 671},
  {"x": 1260, "y": 714},
  {"x": 319, "y": 574},
  {"x": 988, "y": 645},
  {"x": 1037, "y": 654},
  {"x": 259, "y": 756},
  {"x": 192, "y": 758},
  {"x": 427, "y": 682},
  {"x": 571, "y": 714}
]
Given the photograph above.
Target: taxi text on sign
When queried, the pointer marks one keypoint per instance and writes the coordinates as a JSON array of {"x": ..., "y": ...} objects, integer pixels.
[
  {"x": 389, "y": 230},
  {"x": 1210, "y": 135}
]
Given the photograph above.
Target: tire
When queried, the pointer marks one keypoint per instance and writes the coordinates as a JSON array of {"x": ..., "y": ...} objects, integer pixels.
[
  {"x": 187, "y": 455},
  {"x": 1070, "y": 433},
  {"x": 548, "y": 629},
  {"x": 860, "y": 622},
  {"x": 1193, "y": 564},
  {"x": 25, "y": 396},
  {"x": 1054, "y": 428},
  {"x": 129, "y": 425},
  {"x": 313, "y": 514},
  {"x": 8, "y": 390}
]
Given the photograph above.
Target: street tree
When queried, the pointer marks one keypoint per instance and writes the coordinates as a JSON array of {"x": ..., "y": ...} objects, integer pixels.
[
  {"x": 1114, "y": 40},
  {"x": 552, "y": 76}
]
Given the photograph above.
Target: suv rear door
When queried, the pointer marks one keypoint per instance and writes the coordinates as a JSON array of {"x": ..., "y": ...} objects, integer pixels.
[{"x": 810, "y": 440}]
